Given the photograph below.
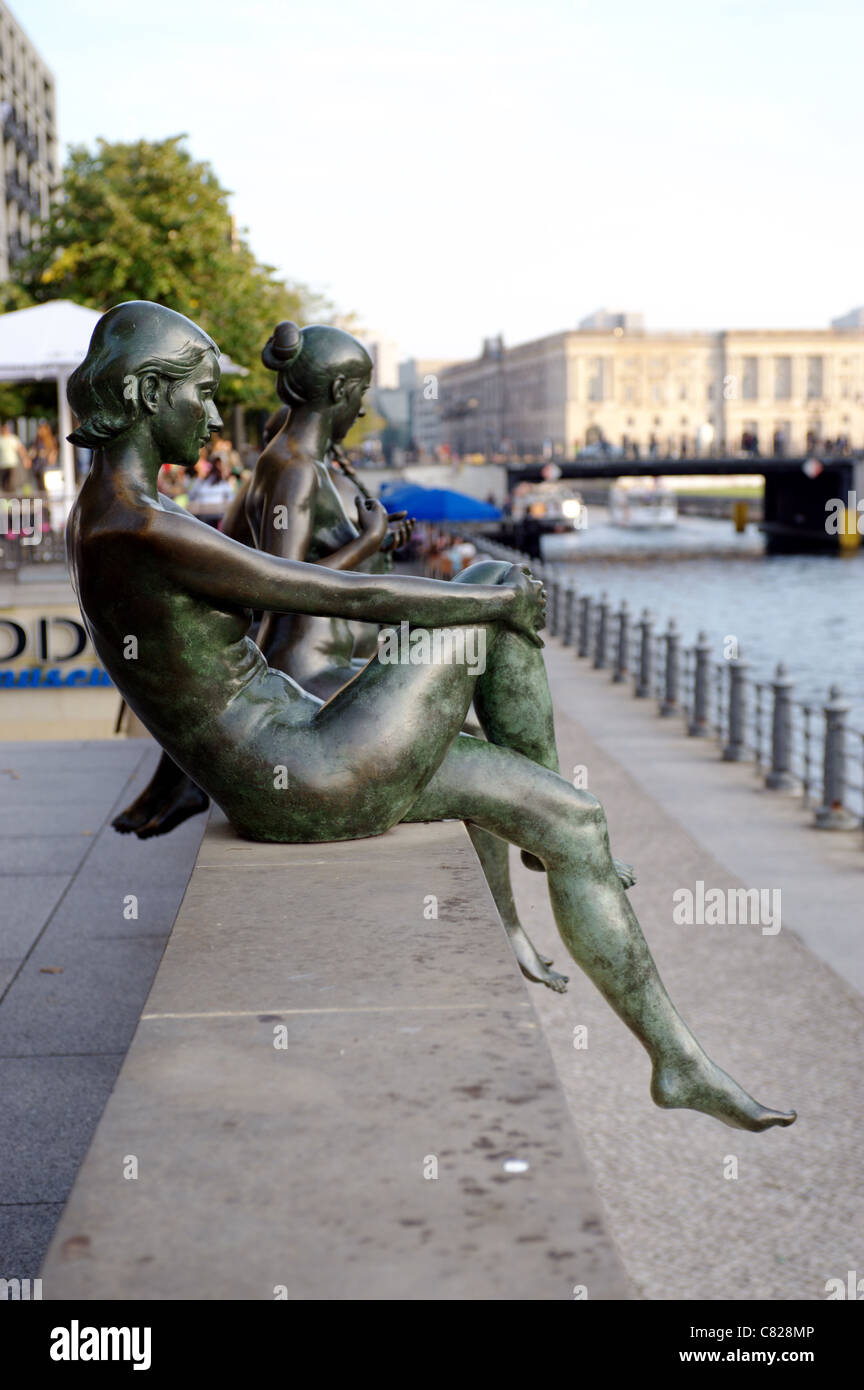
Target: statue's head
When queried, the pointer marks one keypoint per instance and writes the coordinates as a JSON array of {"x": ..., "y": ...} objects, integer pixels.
[
  {"x": 320, "y": 367},
  {"x": 147, "y": 365}
]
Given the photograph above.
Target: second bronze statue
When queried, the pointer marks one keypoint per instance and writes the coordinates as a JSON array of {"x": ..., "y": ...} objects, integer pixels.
[
  {"x": 387, "y": 747},
  {"x": 298, "y": 507}
]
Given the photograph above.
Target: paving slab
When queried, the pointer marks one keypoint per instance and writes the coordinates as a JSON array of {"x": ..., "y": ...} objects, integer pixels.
[
  {"x": 25, "y": 1230},
  {"x": 73, "y": 971},
  {"x": 38, "y": 1165},
  {"x": 29, "y": 901},
  {"x": 82, "y": 997}
]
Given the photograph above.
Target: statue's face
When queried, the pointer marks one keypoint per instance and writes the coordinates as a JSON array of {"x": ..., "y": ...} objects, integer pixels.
[
  {"x": 350, "y": 407},
  {"x": 186, "y": 415}
]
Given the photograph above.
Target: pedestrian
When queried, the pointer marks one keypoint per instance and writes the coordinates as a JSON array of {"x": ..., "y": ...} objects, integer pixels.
[
  {"x": 12, "y": 455},
  {"x": 43, "y": 455}
]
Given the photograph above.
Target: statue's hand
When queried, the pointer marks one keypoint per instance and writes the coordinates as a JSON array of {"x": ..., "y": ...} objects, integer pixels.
[
  {"x": 528, "y": 612},
  {"x": 401, "y": 527},
  {"x": 372, "y": 519}
]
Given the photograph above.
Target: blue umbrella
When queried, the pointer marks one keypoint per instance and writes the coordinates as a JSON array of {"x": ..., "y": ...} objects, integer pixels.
[{"x": 436, "y": 504}]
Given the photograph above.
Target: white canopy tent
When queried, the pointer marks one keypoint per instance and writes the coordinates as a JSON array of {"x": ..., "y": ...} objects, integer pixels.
[{"x": 46, "y": 343}]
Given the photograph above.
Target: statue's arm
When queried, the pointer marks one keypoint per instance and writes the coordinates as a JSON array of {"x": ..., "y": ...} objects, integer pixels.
[{"x": 203, "y": 561}]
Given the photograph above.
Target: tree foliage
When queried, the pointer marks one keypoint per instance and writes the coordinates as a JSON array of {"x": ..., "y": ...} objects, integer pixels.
[{"x": 147, "y": 221}]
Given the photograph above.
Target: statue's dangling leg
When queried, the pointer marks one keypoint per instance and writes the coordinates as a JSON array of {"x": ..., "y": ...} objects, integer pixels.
[
  {"x": 565, "y": 827},
  {"x": 510, "y": 722},
  {"x": 494, "y": 856},
  {"x": 169, "y": 798},
  {"x": 501, "y": 718}
]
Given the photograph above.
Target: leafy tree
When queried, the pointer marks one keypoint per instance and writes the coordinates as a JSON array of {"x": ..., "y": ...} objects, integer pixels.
[{"x": 147, "y": 221}]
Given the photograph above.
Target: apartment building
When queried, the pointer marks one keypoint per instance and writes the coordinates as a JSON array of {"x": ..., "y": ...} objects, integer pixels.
[{"x": 28, "y": 140}]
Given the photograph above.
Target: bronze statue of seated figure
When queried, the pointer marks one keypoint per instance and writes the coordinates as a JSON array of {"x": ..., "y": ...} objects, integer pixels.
[{"x": 168, "y": 601}]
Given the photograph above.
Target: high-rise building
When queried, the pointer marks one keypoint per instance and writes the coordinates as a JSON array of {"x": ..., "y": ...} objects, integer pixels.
[
  {"x": 28, "y": 140},
  {"x": 385, "y": 357},
  {"x": 418, "y": 377}
]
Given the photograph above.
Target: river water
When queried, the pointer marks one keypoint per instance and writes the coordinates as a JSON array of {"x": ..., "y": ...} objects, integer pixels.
[{"x": 804, "y": 610}]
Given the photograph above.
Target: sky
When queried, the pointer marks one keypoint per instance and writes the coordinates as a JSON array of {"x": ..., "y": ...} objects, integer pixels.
[{"x": 454, "y": 170}]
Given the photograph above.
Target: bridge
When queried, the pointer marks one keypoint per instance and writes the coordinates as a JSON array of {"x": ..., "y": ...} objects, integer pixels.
[{"x": 799, "y": 491}]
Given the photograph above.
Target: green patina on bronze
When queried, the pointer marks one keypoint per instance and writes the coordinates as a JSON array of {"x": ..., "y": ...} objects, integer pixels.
[
  {"x": 386, "y": 748},
  {"x": 299, "y": 508}
]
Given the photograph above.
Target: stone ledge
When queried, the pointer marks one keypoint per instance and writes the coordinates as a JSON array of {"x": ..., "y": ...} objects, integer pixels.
[{"x": 406, "y": 1040}]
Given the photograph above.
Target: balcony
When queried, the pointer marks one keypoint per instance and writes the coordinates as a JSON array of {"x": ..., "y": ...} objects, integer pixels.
[{"x": 23, "y": 196}]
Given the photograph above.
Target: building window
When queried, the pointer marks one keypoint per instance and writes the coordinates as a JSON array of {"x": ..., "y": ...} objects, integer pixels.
[
  {"x": 596, "y": 384},
  {"x": 656, "y": 393},
  {"x": 709, "y": 391},
  {"x": 682, "y": 391},
  {"x": 782, "y": 378},
  {"x": 814, "y": 378},
  {"x": 749, "y": 378}
]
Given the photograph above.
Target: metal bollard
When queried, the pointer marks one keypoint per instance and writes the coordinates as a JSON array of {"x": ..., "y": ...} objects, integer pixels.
[
  {"x": 672, "y": 639},
  {"x": 554, "y": 606},
  {"x": 699, "y": 726},
  {"x": 736, "y": 745},
  {"x": 601, "y": 660},
  {"x": 568, "y": 625},
  {"x": 585, "y": 617},
  {"x": 622, "y": 652},
  {"x": 780, "y": 778},
  {"x": 832, "y": 814},
  {"x": 645, "y": 677}
]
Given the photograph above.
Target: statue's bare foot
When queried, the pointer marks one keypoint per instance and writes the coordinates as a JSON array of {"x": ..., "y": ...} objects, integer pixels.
[
  {"x": 186, "y": 801},
  {"x": 625, "y": 872},
  {"x": 533, "y": 966},
  {"x": 694, "y": 1082},
  {"x": 137, "y": 813}
]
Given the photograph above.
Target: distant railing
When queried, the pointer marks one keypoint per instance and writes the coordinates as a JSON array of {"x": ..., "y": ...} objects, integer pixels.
[{"x": 800, "y": 747}]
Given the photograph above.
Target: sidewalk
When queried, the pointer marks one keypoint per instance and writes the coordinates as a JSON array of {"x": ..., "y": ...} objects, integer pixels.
[
  {"x": 780, "y": 1012},
  {"x": 74, "y": 971}
]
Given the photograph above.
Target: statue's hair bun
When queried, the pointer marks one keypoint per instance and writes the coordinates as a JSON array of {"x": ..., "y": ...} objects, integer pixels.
[{"x": 282, "y": 346}]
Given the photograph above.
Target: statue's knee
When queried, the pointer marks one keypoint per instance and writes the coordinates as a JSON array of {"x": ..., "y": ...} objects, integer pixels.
[
  {"x": 483, "y": 572},
  {"x": 590, "y": 811}
]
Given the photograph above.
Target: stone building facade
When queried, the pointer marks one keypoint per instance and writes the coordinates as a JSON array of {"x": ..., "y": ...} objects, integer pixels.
[{"x": 683, "y": 393}]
